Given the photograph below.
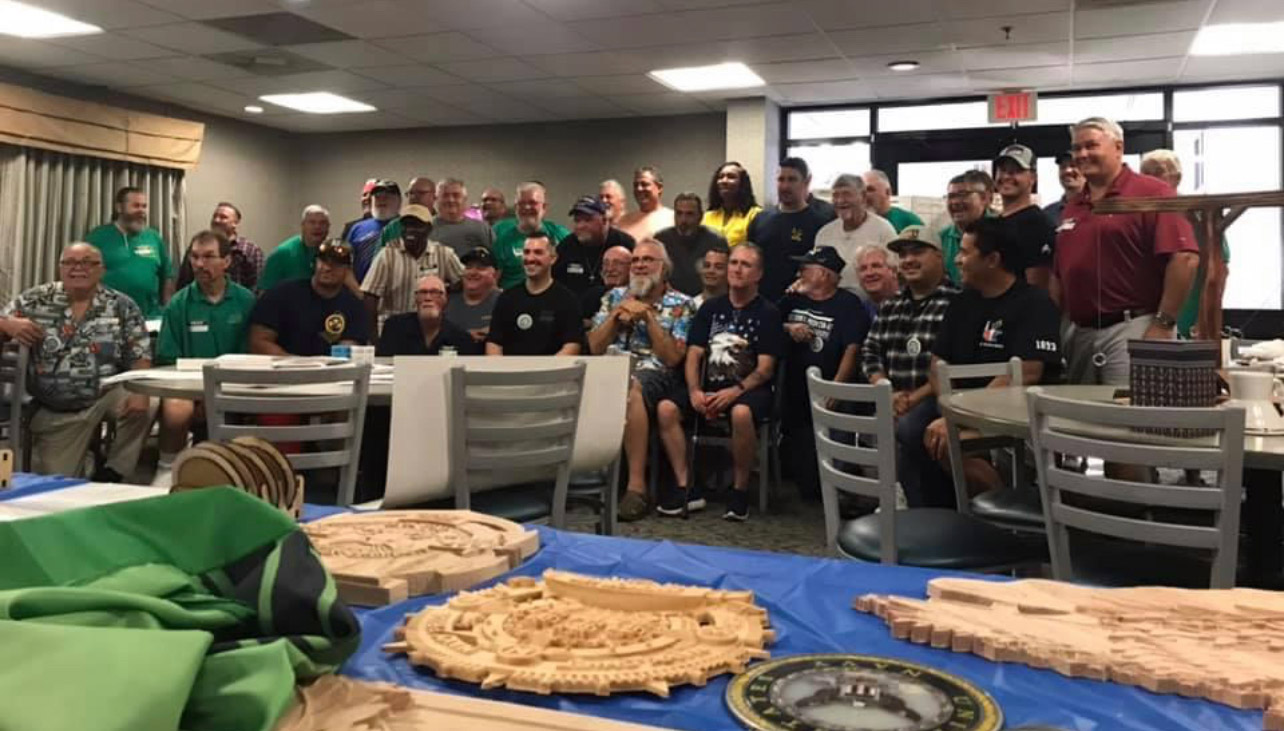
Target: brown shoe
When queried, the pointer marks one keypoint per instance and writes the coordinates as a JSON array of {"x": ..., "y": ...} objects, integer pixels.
[{"x": 633, "y": 506}]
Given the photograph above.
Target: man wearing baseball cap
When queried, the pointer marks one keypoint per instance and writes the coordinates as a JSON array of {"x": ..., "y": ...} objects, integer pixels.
[
  {"x": 389, "y": 286},
  {"x": 471, "y": 308},
  {"x": 307, "y": 316},
  {"x": 366, "y": 188},
  {"x": 366, "y": 236},
  {"x": 579, "y": 255},
  {"x": 1015, "y": 175},
  {"x": 824, "y": 327}
]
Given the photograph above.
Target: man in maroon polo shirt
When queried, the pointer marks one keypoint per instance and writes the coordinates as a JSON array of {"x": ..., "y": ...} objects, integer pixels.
[{"x": 1117, "y": 277}]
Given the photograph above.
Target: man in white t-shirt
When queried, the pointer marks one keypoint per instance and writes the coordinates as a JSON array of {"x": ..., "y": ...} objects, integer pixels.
[{"x": 856, "y": 226}]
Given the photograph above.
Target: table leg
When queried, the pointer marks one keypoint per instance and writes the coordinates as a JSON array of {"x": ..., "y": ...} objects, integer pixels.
[{"x": 1264, "y": 523}]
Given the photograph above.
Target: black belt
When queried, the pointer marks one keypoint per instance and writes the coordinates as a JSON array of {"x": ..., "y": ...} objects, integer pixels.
[{"x": 1110, "y": 319}]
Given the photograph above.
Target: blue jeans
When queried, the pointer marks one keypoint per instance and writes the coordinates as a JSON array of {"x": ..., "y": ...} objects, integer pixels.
[{"x": 925, "y": 482}]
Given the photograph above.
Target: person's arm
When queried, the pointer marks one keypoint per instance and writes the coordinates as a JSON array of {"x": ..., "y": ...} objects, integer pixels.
[
  {"x": 22, "y": 330},
  {"x": 263, "y": 341},
  {"x": 931, "y": 377},
  {"x": 849, "y": 365},
  {"x": 169, "y": 347},
  {"x": 669, "y": 349},
  {"x": 695, "y": 386},
  {"x": 371, "y": 302},
  {"x": 167, "y": 291},
  {"x": 494, "y": 348},
  {"x": 569, "y": 349},
  {"x": 1054, "y": 289},
  {"x": 871, "y": 351},
  {"x": 1178, "y": 277},
  {"x": 1031, "y": 372},
  {"x": 604, "y": 327},
  {"x": 1039, "y": 276},
  {"x": 572, "y": 327}
]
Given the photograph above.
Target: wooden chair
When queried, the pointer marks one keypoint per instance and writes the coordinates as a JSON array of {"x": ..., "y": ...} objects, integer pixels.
[
  {"x": 1016, "y": 508},
  {"x": 514, "y": 422},
  {"x": 937, "y": 538},
  {"x": 14, "y": 359},
  {"x": 1112, "y": 440},
  {"x": 333, "y": 397}
]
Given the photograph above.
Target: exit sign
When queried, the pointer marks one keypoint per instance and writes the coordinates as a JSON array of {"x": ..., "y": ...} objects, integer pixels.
[{"x": 1013, "y": 106}]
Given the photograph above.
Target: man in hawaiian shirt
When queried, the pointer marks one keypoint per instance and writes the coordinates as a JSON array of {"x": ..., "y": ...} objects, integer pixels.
[
  {"x": 81, "y": 332},
  {"x": 649, "y": 320}
]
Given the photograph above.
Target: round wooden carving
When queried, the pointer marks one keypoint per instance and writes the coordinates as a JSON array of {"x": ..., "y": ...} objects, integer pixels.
[
  {"x": 385, "y": 557},
  {"x": 579, "y": 634}
]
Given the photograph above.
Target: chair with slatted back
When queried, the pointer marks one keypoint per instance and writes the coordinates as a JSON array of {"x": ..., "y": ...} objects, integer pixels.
[
  {"x": 1017, "y": 507},
  {"x": 1117, "y": 549},
  {"x": 13, "y": 378},
  {"x": 329, "y": 403},
  {"x": 938, "y": 538},
  {"x": 514, "y": 428}
]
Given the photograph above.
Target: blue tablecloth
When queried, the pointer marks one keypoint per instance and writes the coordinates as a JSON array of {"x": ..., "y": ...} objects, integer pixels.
[{"x": 809, "y": 601}]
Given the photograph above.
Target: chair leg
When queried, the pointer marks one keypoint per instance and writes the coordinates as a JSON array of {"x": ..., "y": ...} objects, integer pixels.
[
  {"x": 764, "y": 468},
  {"x": 611, "y": 500},
  {"x": 560, "y": 490}
]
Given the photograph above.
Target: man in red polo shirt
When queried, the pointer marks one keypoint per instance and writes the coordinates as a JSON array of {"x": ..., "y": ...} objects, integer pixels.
[{"x": 1117, "y": 277}]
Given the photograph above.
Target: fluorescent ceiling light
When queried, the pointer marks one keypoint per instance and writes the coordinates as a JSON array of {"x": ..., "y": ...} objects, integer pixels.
[
  {"x": 28, "y": 21},
  {"x": 317, "y": 102},
  {"x": 1239, "y": 39},
  {"x": 734, "y": 75},
  {"x": 903, "y": 65},
  {"x": 253, "y": 109}
]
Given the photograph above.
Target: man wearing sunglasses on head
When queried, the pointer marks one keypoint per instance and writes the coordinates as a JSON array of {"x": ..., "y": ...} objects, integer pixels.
[{"x": 307, "y": 316}]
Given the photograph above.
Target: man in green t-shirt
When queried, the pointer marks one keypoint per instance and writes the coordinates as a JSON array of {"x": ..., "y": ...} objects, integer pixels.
[
  {"x": 878, "y": 196},
  {"x": 293, "y": 258},
  {"x": 511, "y": 233},
  {"x": 135, "y": 259},
  {"x": 205, "y": 319},
  {"x": 967, "y": 199}
]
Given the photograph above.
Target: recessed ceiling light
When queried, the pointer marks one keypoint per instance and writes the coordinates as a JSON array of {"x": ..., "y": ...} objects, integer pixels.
[
  {"x": 27, "y": 21},
  {"x": 903, "y": 65},
  {"x": 1239, "y": 39},
  {"x": 318, "y": 102},
  {"x": 253, "y": 109},
  {"x": 734, "y": 75}
]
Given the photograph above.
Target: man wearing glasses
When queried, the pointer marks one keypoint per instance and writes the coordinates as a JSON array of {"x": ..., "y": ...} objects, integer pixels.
[
  {"x": 425, "y": 331},
  {"x": 80, "y": 332},
  {"x": 306, "y": 317},
  {"x": 967, "y": 199}
]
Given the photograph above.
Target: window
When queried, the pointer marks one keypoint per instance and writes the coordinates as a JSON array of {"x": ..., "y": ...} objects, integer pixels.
[
  {"x": 1118, "y": 107},
  {"x": 919, "y": 117},
  {"x": 828, "y": 124},
  {"x": 829, "y": 161},
  {"x": 1226, "y": 103},
  {"x": 932, "y": 178}
]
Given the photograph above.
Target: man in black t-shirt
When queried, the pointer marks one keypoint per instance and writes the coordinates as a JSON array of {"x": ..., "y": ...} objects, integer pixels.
[
  {"x": 579, "y": 256},
  {"x": 997, "y": 317},
  {"x": 732, "y": 351},
  {"x": 539, "y": 316},
  {"x": 788, "y": 230},
  {"x": 1015, "y": 175},
  {"x": 307, "y": 316},
  {"x": 426, "y": 331},
  {"x": 825, "y": 327},
  {"x": 687, "y": 241}
]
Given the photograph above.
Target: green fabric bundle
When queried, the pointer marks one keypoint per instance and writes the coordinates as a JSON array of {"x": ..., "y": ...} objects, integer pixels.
[{"x": 195, "y": 611}]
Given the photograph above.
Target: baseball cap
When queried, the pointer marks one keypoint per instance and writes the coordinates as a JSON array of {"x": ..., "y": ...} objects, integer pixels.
[
  {"x": 915, "y": 235},
  {"x": 480, "y": 256},
  {"x": 588, "y": 204},
  {"x": 369, "y": 186},
  {"x": 385, "y": 186},
  {"x": 418, "y": 212},
  {"x": 335, "y": 251},
  {"x": 1020, "y": 154},
  {"x": 826, "y": 256},
  {"x": 1064, "y": 157}
]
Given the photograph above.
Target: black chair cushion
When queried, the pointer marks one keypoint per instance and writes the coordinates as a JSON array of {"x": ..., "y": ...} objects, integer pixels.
[
  {"x": 520, "y": 503},
  {"x": 1020, "y": 508},
  {"x": 936, "y": 538},
  {"x": 1106, "y": 561}
]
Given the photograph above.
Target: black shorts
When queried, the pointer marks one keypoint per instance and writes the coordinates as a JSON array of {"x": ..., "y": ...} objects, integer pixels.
[
  {"x": 660, "y": 384},
  {"x": 758, "y": 400}
]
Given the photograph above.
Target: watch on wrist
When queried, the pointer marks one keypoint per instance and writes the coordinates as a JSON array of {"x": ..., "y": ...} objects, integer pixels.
[{"x": 1165, "y": 320}]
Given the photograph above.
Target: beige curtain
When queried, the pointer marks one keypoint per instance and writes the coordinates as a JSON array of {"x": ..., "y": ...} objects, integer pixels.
[{"x": 49, "y": 199}]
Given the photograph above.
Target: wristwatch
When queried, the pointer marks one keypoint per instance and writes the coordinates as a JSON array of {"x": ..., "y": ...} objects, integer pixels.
[{"x": 1165, "y": 320}]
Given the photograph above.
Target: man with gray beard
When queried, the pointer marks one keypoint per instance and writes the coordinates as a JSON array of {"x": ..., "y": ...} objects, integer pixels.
[{"x": 649, "y": 320}]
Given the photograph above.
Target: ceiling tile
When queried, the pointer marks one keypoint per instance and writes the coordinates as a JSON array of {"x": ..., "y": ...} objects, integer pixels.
[
  {"x": 1043, "y": 77},
  {"x": 793, "y": 47},
  {"x": 500, "y": 107},
  {"x": 192, "y": 38},
  {"x": 203, "y": 9},
  {"x": 436, "y": 47},
  {"x": 195, "y": 68},
  {"x": 825, "y": 91},
  {"x": 1258, "y": 66},
  {"x": 408, "y": 75},
  {"x": 338, "y": 82},
  {"x": 797, "y": 72},
  {"x": 28, "y": 53},
  {"x": 929, "y": 85},
  {"x": 111, "y": 14},
  {"x": 1247, "y": 11},
  {"x": 278, "y": 29},
  {"x": 536, "y": 38},
  {"x": 595, "y": 62},
  {"x": 567, "y": 10},
  {"x": 657, "y": 104},
  {"x": 697, "y": 26},
  {"x": 1042, "y": 28},
  {"x": 470, "y": 14},
  {"x": 198, "y": 96},
  {"x": 1015, "y": 56},
  {"x": 899, "y": 39},
  {"x": 836, "y": 14},
  {"x": 494, "y": 69},
  {"x": 115, "y": 74},
  {"x": 1007, "y": 10},
  {"x": 374, "y": 18},
  {"x": 444, "y": 115},
  {"x": 538, "y": 90},
  {"x": 1155, "y": 45},
  {"x": 592, "y": 107},
  {"x": 348, "y": 54},
  {"x": 268, "y": 62},
  {"x": 113, "y": 46},
  {"x": 321, "y": 123},
  {"x": 693, "y": 4},
  {"x": 1122, "y": 73},
  {"x": 932, "y": 62},
  {"x": 621, "y": 84},
  {"x": 1154, "y": 18}
]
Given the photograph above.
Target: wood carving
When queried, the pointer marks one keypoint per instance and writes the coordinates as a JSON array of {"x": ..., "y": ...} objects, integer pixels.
[
  {"x": 386, "y": 557},
  {"x": 247, "y": 463},
  {"x": 1223, "y": 645},
  {"x": 335, "y": 703},
  {"x": 578, "y": 634},
  {"x": 6, "y": 468}
]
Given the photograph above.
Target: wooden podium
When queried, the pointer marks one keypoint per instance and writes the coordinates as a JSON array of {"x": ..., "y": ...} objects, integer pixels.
[{"x": 1211, "y": 215}]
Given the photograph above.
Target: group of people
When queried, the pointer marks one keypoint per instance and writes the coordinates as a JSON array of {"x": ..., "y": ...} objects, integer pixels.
[{"x": 709, "y": 296}]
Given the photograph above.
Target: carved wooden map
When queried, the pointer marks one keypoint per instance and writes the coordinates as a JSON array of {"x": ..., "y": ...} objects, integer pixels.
[
  {"x": 1223, "y": 645},
  {"x": 386, "y": 557},
  {"x": 335, "y": 703},
  {"x": 578, "y": 634}
]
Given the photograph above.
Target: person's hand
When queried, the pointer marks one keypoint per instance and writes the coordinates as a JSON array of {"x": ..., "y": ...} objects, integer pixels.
[
  {"x": 799, "y": 332},
  {"x": 23, "y": 330},
  {"x": 722, "y": 400},
  {"x": 936, "y": 440},
  {"x": 1159, "y": 332},
  {"x": 478, "y": 335},
  {"x": 135, "y": 403},
  {"x": 698, "y": 401},
  {"x": 634, "y": 310},
  {"x": 795, "y": 287},
  {"x": 902, "y": 403}
]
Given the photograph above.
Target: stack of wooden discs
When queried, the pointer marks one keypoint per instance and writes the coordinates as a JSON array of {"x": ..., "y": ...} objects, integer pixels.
[{"x": 247, "y": 463}]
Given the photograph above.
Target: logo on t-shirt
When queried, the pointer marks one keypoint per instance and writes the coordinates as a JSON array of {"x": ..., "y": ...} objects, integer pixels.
[
  {"x": 796, "y": 235},
  {"x": 729, "y": 358},
  {"x": 524, "y": 321},
  {"x": 334, "y": 326},
  {"x": 991, "y": 334}
]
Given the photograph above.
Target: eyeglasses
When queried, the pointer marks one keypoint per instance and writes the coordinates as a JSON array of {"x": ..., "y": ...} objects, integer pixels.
[
  {"x": 960, "y": 195},
  {"x": 87, "y": 264},
  {"x": 430, "y": 293},
  {"x": 645, "y": 259}
]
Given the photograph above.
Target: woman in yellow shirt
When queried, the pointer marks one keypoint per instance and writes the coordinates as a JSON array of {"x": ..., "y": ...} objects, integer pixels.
[{"x": 732, "y": 206}]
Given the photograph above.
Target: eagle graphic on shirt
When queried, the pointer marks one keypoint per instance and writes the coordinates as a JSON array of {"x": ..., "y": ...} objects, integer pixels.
[{"x": 730, "y": 359}]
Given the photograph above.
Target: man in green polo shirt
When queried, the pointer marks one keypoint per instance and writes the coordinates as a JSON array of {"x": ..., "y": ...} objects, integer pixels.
[
  {"x": 511, "y": 233},
  {"x": 205, "y": 319},
  {"x": 294, "y": 257},
  {"x": 878, "y": 196},
  {"x": 968, "y": 200},
  {"x": 135, "y": 260}
]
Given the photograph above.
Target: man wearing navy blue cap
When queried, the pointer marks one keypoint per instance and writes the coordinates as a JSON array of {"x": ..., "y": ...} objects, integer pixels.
[
  {"x": 579, "y": 256},
  {"x": 824, "y": 327}
]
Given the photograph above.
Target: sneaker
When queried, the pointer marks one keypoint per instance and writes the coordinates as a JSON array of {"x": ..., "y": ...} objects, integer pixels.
[
  {"x": 633, "y": 506},
  {"x": 674, "y": 497},
  {"x": 737, "y": 506}
]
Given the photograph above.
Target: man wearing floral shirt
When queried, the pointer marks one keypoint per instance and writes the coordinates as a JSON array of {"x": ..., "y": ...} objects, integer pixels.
[
  {"x": 649, "y": 320},
  {"x": 81, "y": 332}
]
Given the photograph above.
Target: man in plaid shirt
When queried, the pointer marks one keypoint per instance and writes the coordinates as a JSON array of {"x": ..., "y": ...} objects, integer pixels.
[
  {"x": 247, "y": 257},
  {"x": 899, "y": 345}
]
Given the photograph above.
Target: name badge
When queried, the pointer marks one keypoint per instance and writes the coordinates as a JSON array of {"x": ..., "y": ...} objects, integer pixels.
[
  {"x": 145, "y": 250},
  {"x": 1066, "y": 225},
  {"x": 198, "y": 327},
  {"x": 574, "y": 268}
]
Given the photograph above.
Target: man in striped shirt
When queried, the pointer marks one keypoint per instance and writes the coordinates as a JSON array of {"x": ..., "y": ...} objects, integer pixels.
[{"x": 389, "y": 286}]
